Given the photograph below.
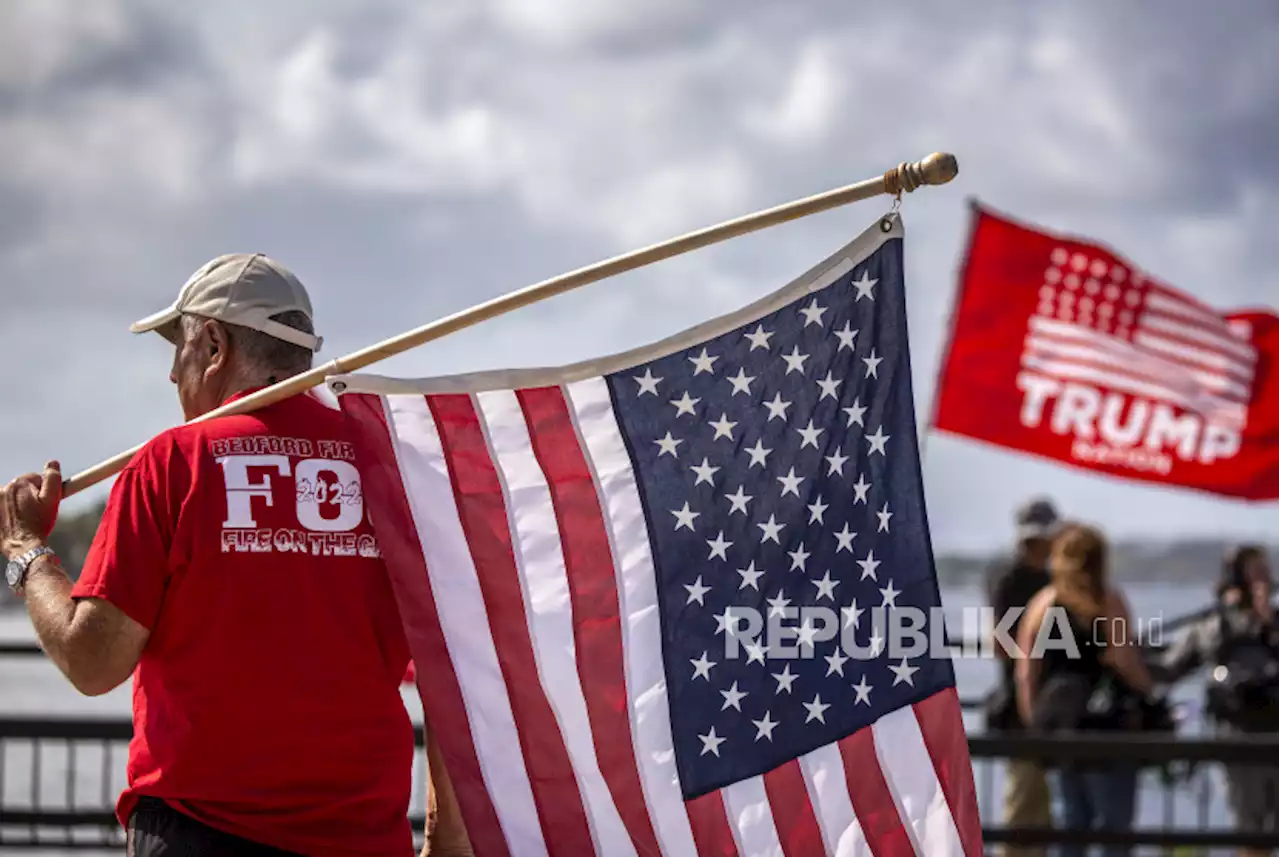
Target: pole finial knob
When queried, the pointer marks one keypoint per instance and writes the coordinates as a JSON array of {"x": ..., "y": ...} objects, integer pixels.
[{"x": 938, "y": 168}]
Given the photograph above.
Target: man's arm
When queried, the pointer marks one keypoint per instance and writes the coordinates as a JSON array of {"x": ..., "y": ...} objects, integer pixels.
[
  {"x": 447, "y": 837},
  {"x": 94, "y": 643}
]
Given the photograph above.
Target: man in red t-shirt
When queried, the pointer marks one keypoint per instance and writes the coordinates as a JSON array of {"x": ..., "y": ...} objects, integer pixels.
[{"x": 236, "y": 577}]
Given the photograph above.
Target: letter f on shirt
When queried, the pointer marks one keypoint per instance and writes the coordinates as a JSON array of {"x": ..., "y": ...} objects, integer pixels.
[{"x": 241, "y": 491}]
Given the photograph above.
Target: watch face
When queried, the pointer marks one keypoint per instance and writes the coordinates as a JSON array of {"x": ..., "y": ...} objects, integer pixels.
[{"x": 13, "y": 573}]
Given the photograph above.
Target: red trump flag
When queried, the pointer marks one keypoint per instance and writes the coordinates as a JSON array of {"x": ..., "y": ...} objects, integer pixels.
[{"x": 1065, "y": 350}]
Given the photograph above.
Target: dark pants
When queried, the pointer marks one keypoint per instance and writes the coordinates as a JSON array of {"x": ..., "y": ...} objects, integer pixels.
[
  {"x": 1097, "y": 799},
  {"x": 157, "y": 830}
]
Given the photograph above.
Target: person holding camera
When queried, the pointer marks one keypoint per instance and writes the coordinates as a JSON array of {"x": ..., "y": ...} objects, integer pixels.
[{"x": 1238, "y": 641}]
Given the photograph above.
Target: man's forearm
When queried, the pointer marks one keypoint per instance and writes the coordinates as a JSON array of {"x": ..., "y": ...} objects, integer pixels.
[
  {"x": 52, "y": 610},
  {"x": 82, "y": 638}
]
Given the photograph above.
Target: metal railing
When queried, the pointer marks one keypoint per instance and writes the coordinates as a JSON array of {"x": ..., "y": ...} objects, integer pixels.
[
  {"x": 1169, "y": 765},
  {"x": 59, "y": 779},
  {"x": 74, "y": 771},
  {"x": 48, "y": 808}
]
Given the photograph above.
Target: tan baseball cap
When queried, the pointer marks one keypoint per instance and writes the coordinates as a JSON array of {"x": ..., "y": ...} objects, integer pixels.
[{"x": 238, "y": 288}]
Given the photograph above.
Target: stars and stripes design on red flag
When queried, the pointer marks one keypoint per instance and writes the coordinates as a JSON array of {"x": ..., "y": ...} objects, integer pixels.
[
  {"x": 1064, "y": 349},
  {"x": 569, "y": 549}
]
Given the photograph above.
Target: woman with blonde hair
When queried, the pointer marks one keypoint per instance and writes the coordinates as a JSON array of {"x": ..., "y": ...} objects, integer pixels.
[{"x": 1088, "y": 621}]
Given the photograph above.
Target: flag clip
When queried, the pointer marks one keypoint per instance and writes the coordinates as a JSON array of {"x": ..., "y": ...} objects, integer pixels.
[{"x": 886, "y": 222}]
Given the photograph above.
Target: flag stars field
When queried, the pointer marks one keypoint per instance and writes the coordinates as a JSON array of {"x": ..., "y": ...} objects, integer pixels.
[{"x": 770, "y": 386}]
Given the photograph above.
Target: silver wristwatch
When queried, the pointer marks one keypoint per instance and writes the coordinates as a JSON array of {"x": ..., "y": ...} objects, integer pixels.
[{"x": 16, "y": 572}]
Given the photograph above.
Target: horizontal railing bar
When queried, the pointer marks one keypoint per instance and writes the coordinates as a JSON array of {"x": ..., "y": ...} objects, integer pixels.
[
  {"x": 88, "y": 729},
  {"x": 89, "y": 820},
  {"x": 58, "y": 818},
  {"x": 38, "y": 844},
  {"x": 8, "y": 648},
  {"x": 1126, "y": 746},
  {"x": 66, "y": 728},
  {"x": 1153, "y": 837}
]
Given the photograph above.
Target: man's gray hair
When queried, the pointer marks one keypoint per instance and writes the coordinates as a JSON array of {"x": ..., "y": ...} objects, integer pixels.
[{"x": 262, "y": 352}]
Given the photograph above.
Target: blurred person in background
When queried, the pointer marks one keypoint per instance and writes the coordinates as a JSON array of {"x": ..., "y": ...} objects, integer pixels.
[
  {"x": 1010, "y": 587},
  {"x": 237, "y": 579},
  {"x": 1238, "y": 642},
  {"x": 1060, "y": 689}
]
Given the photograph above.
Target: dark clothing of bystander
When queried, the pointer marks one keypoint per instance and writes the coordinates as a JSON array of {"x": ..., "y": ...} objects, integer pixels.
[{"x": 1010, "y": 587}]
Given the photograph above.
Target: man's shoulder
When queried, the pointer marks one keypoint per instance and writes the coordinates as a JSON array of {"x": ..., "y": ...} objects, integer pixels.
[{"x": 161, "y": 450}]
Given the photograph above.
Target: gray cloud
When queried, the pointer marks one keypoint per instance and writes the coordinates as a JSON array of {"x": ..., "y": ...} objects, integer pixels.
[{"x": 412, "y": 159}]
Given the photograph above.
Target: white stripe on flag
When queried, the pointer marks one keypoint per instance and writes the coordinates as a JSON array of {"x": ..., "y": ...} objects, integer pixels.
[
  {"x": 606, "y": 455},
  {"x": 825, "y": 779},
  {"x": 1211, "y": 406},
  {"x": 750, "y": 816},
  {"x": 1214, "y": 362},
  {"x": 1233, "y": 347},
  {"x": 1127, "y": 358},
  {"x": 540, "y": 560},
  {"x": 1210, "y": 360},
  {"x": 913, "y": 782},
  {"x": 464, "y": 621},
  {"x": 1071, "y": 330},
  {"x": 1192, "y": 313}
]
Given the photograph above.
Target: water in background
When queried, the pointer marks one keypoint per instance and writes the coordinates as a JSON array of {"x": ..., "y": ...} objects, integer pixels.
[{"x": 32, "y": 687}]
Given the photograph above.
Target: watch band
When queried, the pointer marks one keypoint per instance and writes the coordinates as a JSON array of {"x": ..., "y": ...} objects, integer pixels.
[{"x": 24, "y": 565}]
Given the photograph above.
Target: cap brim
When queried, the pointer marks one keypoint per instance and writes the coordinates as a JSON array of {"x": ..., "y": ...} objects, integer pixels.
[{"x": 163, "y": 323}]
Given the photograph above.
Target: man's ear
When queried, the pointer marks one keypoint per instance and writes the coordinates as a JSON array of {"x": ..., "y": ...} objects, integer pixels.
[{"x": 218, "y": 345}]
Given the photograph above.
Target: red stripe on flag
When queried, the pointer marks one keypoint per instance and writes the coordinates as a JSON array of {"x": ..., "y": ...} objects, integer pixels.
[
  {"x": 793, "y": 817},
  {"x": 593, "y": 596},
  {"x": 942, "y": 725},
  {"x": 483, "y": 513},
  {"x": 445, "y": 710},
  {"x": 709, "y": 823},
  {"x": 873, "y": 804}
]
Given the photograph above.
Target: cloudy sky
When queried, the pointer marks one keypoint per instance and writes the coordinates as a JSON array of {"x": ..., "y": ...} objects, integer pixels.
[{"x": 411, "y": 159}]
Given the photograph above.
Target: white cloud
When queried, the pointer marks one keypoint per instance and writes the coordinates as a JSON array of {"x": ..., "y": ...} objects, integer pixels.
[
  {"x": 42, "y": 39},
  {"x": 809, "y": 103},
  {"x": 571, "y": 23}
]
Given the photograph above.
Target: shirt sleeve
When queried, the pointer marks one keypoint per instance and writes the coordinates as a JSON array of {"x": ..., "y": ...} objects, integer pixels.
[{"x": 128, "y": 561}]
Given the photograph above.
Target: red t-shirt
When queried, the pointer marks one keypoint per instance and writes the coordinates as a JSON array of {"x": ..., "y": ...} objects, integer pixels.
[{"x": 266, "y": 702}]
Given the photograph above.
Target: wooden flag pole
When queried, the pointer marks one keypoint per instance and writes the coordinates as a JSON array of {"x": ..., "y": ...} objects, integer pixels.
[{"x": 938, "y": 168}]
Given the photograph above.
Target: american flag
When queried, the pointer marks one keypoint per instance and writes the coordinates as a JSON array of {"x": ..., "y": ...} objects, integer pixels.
[
  {"x": 1103, "y": 322},
  {"x": 569, "y": 547}
]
